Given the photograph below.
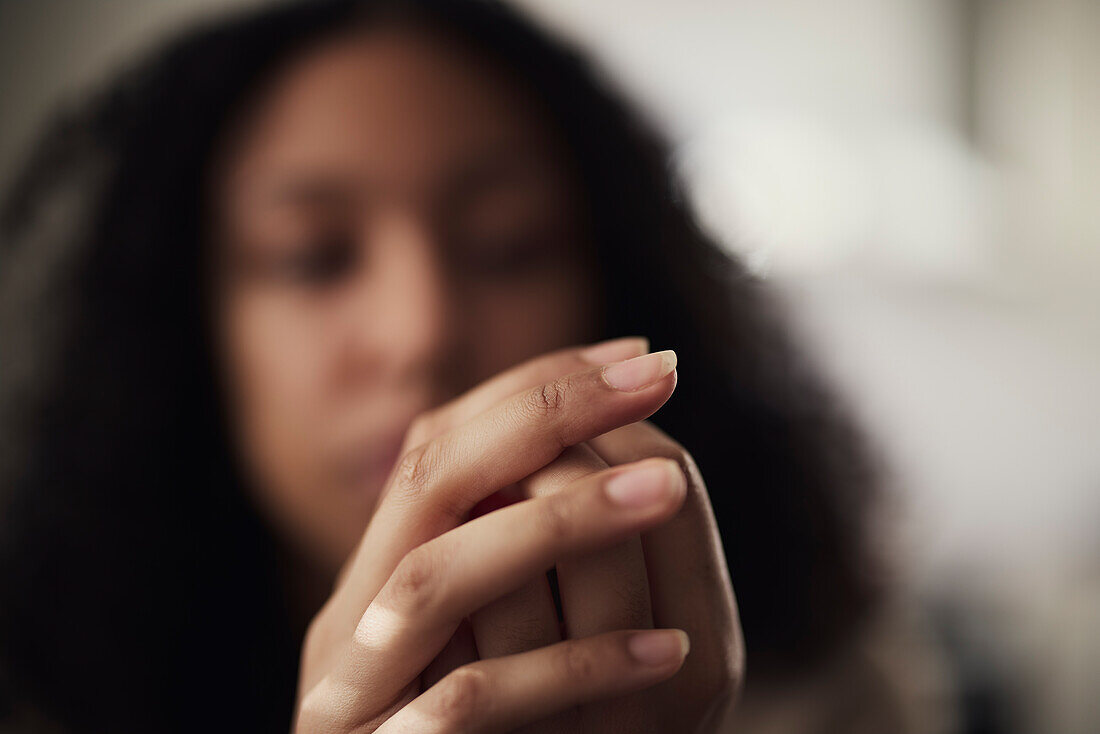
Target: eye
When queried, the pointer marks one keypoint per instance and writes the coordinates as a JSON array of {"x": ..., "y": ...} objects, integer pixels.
[
  {"x": 506, "y": 254},
  {"x": 319, "y": 262}
]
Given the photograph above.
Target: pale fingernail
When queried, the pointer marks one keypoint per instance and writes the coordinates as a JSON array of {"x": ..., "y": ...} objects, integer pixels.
[
  {"x": 646, "y": 484},
  {"x": 658, "y": 647},
  {"x": 634, "y": 374},
  {"x": 615, "y": 350}
]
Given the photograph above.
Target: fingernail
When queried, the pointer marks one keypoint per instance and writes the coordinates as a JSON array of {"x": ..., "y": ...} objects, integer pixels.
[
  {"x": 634, "y": 374},
  {"x": 615, "y": 350},
  {"x": 658, "y": 647},
  {"x": 645, "y": 484}
]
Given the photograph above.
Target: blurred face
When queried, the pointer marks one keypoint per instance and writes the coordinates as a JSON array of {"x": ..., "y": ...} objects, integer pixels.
[{"x": 393, "y": 225}]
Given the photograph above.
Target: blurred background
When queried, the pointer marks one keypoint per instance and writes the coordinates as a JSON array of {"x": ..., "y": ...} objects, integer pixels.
[{"x": 920, "y": 180}]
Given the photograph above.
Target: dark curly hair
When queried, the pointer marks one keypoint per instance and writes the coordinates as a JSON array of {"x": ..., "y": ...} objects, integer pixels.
[{"x": 139, "y": 590}]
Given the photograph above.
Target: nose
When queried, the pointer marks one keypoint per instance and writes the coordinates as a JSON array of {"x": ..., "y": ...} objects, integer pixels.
[{"x": 401, "y": 305}]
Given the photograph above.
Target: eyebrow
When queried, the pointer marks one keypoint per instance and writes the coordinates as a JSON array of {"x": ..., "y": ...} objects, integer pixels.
[
  {"x": 509, "y": 164},
  {"x": 314, "y": 189}
]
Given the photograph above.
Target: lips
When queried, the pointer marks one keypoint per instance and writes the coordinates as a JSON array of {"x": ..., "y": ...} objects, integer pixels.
[{"x": 370, "y": 466}]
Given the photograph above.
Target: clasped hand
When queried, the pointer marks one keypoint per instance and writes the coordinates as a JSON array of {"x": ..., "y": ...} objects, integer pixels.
[{"x": 443, "y": 620}]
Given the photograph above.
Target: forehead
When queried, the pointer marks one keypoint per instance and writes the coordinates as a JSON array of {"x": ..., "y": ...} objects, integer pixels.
[{"x": 390, "y": 109}]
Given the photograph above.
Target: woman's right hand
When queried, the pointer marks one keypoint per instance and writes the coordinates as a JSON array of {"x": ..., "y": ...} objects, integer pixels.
[{"x": 421, "y": 568}]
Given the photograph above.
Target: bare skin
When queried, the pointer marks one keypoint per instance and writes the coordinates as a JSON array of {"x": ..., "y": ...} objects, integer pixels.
[{"x": 396, "y": 232}]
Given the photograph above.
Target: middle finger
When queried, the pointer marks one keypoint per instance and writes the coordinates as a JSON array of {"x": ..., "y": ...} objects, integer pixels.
[{"x": 605, "y": 590}]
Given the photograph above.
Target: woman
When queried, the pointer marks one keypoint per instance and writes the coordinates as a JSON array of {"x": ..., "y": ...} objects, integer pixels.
[{"x": 289, "y": 308}]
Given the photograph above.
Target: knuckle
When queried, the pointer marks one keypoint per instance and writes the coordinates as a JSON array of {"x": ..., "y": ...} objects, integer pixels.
[
  {"x": 676, "y": 452},
  {"x": 668, "y": 448},
  {"x": 679, "y": 454},
  {"x": 311, "y": 712},
  {"x": 462, "y": 696},
  {"x": 686, "y": 461},
  {"x": 323, "y": 634},
  {"x": 556, "y": 518},
  {"x": 576, "y": 662},
  {"x": 687, "y": 465},
  {"x": 414, "y": 583},
  {"x": 548, "y": 399},
  {"x": 660, "y": 443},
  {"x": 414, "y": 471},
  {"x": 727, "y": 680},
  {"x": 722, "y": 681}
]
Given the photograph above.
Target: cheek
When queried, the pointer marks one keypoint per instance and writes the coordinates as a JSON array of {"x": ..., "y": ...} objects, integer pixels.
[
  {"x": 275, "y": 366},
  {"x": 277, "y": 362}
]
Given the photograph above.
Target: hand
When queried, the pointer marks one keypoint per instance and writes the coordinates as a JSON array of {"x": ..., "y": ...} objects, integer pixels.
[
  {"x": 419, "y": 571},
  {"x": 690, "y": 589},
  {"x": 674, "y": 575}
]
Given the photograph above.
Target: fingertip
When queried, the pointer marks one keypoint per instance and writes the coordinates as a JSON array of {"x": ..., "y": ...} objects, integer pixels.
[
  {"x": 659, "y": 648},
  {"x": 638, "y": 373},
  {"x": 615, "y": 350},
  {"x": 654, "y": 483}
]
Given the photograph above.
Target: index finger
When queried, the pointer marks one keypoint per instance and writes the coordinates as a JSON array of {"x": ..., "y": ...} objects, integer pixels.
[
  {"x": 435, "y": 485},
  {"x": 516, "y": 379}
]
